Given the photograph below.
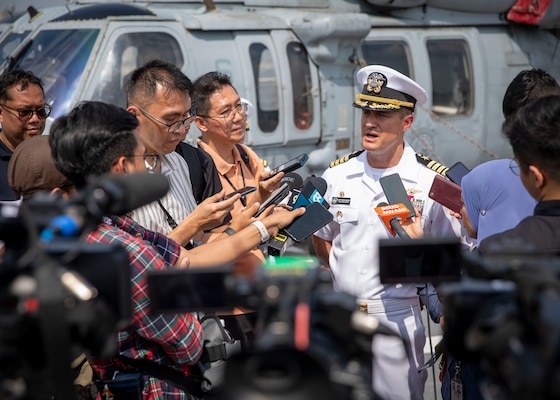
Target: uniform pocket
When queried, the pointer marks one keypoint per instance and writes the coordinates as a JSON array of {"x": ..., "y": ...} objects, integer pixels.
[{"x": 347, "y": 219}]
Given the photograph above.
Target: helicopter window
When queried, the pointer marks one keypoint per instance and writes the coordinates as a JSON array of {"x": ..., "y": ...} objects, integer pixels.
[
  {"x": 266, "y": 83},
  {"x": 301, "y": 85},
  {"x": 9, "y": 44},
  {"x": 59, "y": 58},
  {"x": 452, "y": 77},
  {"x": 131, "y": 51},
  {"x": 391, "y": 53}
]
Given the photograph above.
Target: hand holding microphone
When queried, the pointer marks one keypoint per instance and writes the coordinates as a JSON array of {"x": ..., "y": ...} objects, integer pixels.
[{"x": 401, "y": 211}]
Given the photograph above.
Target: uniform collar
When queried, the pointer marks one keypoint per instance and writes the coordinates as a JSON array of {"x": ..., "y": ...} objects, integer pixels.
[{"x": 407, "y": 166}]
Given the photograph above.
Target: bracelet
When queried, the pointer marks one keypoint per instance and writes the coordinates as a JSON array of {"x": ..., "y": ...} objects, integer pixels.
[
  {"x": 229, "y": 231},
  {"x": 262, "y": 230}
]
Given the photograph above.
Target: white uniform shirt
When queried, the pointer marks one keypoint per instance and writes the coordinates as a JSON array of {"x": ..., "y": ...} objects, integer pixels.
[
  {"x": 357, "y": 228},
  {"x": 179, "y": 201}
]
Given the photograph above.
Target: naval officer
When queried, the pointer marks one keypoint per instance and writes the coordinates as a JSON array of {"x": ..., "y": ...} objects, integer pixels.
[{"x": 349, "y": 244}]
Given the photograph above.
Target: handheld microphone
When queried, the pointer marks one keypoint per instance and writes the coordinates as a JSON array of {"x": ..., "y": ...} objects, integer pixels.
[
  {"x": 296, "y": 182},
  {"x": 312, "y": 191},
  {"x": 396, "y": 193},
  {"x": 393, "y": 216}
]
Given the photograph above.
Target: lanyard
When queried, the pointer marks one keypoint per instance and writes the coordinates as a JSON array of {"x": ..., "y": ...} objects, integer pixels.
[{"x": 242, "y": 199}]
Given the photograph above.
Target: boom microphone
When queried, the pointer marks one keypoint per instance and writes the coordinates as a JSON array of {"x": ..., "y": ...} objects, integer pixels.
[{"x": 393, "y": 216}]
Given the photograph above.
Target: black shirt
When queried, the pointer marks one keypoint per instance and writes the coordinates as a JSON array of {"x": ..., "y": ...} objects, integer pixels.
[
  {"x": 539, "y": 233},
  {"x": 6, "y": 192}
]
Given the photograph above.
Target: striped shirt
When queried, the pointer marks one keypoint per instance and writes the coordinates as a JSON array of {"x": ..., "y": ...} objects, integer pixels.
[
  {"x": 172, "y": 339},
  {"x": 179, "y": 201}
]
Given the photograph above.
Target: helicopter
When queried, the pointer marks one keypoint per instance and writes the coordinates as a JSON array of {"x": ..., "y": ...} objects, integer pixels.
[{"x": 296, "y": 61}]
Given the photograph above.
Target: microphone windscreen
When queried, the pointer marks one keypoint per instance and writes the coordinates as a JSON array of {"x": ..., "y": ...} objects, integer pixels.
[
  {"x": 121, "y": 194},
  {"x": 320, "y": 184},
  {"x": 294, "y": 180},
  {"x": 388, "y": 212}
]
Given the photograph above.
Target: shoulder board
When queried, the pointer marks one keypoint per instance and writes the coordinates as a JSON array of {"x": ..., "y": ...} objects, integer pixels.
[
  {"x": 346, "y": 158},
  {"x": 431, "y": 164}
]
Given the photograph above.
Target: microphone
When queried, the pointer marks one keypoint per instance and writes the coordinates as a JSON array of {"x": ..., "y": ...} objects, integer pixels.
[
  {"x": 396, "y": 193},
  {"x": 392, "y": 216},
  {"x": 279, "y": 194},
  {"x": 109, "y": 194},
  {"x": 312, "y": 191},
  {"x": 278, "y": 244},
  {"x": 121, "y": 194},
  {"x": 295, "y": 182}
]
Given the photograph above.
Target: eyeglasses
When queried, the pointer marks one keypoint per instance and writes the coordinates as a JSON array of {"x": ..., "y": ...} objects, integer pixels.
[
  {"x": 514, "y": 167},
  {"x": 174, "y": 126},
  {"x": 150, "y": 160},
  {"x": 240, "y": 108},
  {"x": 27, "y": 113}
]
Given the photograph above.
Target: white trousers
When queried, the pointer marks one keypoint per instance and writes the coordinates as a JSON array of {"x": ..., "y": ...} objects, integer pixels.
[{"x": 395, "y": 374}]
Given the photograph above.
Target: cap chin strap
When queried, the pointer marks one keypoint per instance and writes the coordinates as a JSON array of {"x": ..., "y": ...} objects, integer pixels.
[{"x": 392, "y": 104}]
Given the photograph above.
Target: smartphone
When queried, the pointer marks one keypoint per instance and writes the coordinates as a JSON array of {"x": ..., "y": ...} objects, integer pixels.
[
  {"x": 316, "y": 216},
  {"x": 446, "y": 193},
  {"x": 243, "y": 191},
  {"x": 290, "y": 165},
  {"x": 456, "y": 172},
  {"x": 396, "y": 193},
  {"x": 275, "y": 198}
]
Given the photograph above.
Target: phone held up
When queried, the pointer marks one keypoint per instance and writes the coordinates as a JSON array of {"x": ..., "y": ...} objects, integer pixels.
[
  {"x": 290, "y": 165},
  {"x": 243, "y": 191}
]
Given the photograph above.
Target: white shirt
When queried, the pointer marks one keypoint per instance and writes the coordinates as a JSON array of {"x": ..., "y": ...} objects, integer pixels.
[
  {"x": 356, "y": 227},
  {"x": 179, "y": 201}
]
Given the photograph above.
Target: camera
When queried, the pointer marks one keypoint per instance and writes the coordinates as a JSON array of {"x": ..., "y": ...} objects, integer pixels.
[
  {"x": 502, "y": 312},
  {"x": 59, "y": 296},
  {"x": 310, "y": 341}
]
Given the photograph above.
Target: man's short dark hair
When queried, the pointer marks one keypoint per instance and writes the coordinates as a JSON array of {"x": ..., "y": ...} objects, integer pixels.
[
  {"x": 15, "y": 77},
  {"x": 144, "y": 82},
  {"x": 528, "y": 85},
  {"x": 534, "y": 135},
  {"x": 205, "y": 86},
  {"x": 89, "y": 139}
]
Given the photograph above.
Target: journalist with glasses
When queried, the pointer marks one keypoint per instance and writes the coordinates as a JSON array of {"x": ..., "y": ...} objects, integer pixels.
[
  {"x": 23, "y": 113},
  {"x": 222, "y": 121}
]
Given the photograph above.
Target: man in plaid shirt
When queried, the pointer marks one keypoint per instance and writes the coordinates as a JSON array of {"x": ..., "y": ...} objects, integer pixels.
[
  {"x": 96, "y": 139},
  {"x": 174, "y": 340}
]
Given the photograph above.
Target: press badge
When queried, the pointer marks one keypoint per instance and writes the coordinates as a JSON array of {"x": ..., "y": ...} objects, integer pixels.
[{"x": 456, "y": 385}]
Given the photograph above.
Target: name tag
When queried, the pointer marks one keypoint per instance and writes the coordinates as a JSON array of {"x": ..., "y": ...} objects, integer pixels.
[{"x": 341, "y": 200}]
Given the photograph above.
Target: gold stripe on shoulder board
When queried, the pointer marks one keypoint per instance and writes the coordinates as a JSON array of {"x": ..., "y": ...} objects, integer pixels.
[
  {"x": 345, "y": 158},
  {"x": 264, "y": 162},
  {"x": 431, "y": 164}
]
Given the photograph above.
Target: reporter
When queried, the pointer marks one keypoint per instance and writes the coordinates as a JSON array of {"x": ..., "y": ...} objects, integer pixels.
[{"x": 96, "y": 139}]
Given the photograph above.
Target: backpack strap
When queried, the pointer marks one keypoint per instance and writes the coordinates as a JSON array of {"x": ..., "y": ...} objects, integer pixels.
[
  {"x": 188, "y": 152},
  {"x": 246, "y": 159},
  {"x": 191, "y": 384},
  {"x": 244, "y": 155}
]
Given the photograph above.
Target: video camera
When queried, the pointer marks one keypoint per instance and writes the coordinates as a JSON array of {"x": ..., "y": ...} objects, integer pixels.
[
  {"x": 310, "y": 341},
  {"x": 60, "y": 296},
  {"x": 501, "y": 312}
]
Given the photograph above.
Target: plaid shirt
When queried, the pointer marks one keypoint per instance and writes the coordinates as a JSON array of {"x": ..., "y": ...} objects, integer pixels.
[{"x": 171, "y": 340}]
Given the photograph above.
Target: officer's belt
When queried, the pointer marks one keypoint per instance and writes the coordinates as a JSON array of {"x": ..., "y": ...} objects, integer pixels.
[{"x": 387, "y": 305}]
